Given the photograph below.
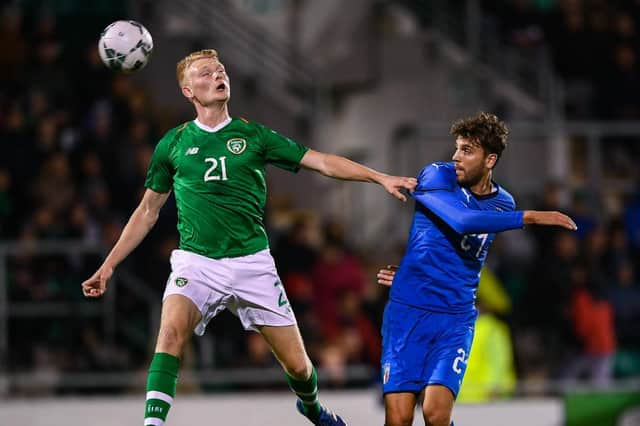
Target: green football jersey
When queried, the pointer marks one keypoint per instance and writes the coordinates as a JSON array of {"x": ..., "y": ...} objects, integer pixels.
[{"x": 219, "y": 183}]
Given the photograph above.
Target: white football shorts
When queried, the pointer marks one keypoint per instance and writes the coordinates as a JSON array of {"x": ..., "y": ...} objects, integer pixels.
[{"x": 249, "y": 286}]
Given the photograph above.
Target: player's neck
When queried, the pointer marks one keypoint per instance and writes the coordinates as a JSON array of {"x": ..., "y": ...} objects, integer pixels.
[
  {"x": 213, "y": 115},
  {"x": 484, "y": 186}
]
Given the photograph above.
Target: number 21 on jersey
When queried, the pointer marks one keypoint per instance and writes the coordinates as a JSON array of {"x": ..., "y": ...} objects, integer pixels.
[{"x": 212, "y": 172}]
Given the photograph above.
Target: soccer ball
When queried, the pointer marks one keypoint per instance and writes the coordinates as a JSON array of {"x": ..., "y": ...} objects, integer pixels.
[{"x": 125, "y": 46}]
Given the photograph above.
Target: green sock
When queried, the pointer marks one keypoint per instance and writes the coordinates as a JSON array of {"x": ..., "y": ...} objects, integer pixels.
[
  {"x": 307, "y": 391},
  {"x": 161, "y": 388}
]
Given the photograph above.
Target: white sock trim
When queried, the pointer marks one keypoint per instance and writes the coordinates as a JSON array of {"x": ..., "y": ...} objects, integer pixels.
[
  {"x": 315, "y": 392},
  {"x": 153, "y": 421},
  {"x": 161, "y": 396}
]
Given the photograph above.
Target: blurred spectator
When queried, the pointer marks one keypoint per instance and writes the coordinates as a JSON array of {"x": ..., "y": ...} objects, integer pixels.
[
  {"x": 546, "y": 312},
  {"x": 523, "y": 27},
  {"x": 258, "y": 353},
  {"x": 593, "y": 320},
  {"x": 632, "y": 221},
  {"x": 625, "y": 296},
  {"x": 581, "y": 214},
  {"x": 618, "y": 249},
  {"x": 618, "y": 93},
  {"x": 333, "y": 361},
  {"x": 295, "y": 254},
  {"x": 357, "y": 334},
  {"x": 295, "y": 251},
  {"x": 552, "y": 197},
  {"x": 337, "y": 271},
  {"x": 492, "y": 294},
  {"x": 6, "y": 202},
  {"x": 490, "y": 371},
  {"x": 13, "y": 46}
]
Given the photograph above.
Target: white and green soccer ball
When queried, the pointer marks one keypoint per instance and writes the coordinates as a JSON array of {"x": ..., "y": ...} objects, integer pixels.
[{"x": 125, "y": 46}]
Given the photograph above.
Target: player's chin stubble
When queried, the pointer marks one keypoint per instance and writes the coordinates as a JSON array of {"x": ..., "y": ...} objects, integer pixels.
[{"x": 467, "y": 180}]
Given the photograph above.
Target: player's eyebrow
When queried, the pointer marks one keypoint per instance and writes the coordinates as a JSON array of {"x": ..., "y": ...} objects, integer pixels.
[
  {"x": 211, "y": 66},
  {"x": 207, "y": 63}
]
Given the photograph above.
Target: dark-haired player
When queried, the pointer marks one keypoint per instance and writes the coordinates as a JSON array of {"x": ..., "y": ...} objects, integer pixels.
[{"x": 429, "y": 320}]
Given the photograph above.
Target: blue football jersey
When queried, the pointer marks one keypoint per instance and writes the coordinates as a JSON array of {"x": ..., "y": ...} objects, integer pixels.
[{"x": 450, "y": 235}]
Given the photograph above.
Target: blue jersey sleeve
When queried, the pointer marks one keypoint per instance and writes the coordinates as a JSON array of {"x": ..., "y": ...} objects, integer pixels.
[
  {"x": 437, "y": 176},
  {"x": 464, "y": 220}
]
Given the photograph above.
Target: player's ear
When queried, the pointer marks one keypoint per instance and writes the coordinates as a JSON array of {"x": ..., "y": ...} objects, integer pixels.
[
  {"x": 187, "y": 92},
  {"x": 491, "y": 160}
]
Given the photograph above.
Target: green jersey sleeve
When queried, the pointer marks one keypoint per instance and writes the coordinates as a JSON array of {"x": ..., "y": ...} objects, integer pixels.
[
  {"x": 281, "y": 151},
  {"x": 161, "y": 170}
]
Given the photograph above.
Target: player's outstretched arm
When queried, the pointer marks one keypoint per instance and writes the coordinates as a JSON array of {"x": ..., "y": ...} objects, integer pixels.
[
  {"x": 342, "y": 168},
  {"x": 552, "y": 218},
  {"x": 463, "y": 220},
  {"x": 138, "y": 226}
]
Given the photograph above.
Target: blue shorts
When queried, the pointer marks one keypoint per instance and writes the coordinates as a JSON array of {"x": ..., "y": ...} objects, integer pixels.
[{"x": 421, "y": 348}]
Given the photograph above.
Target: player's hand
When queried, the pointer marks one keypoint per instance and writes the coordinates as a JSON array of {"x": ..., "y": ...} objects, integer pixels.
[
  {"x": 553, "y": 218},
  {"x": 393, "y": 185},
  {"x": 97, "y": 284},
  {"x": 386, "y": 274}
]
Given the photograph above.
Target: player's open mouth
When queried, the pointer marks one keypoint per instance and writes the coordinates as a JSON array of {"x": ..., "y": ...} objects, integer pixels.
[{"x": 221, "y": 87}]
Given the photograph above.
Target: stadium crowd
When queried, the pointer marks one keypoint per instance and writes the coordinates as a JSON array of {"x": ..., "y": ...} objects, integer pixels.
[
  {"x": 76, "y": 142},
  {"x": 594, "y": 45}
]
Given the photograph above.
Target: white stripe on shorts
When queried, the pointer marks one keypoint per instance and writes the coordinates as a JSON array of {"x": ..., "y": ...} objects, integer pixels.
[
  {"x": 161, "y": 396},
  {"x": 153, "y": 421}
]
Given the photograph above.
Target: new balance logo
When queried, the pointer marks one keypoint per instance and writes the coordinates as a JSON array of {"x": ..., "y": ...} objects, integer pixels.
[{"x": 192, "y": 151}]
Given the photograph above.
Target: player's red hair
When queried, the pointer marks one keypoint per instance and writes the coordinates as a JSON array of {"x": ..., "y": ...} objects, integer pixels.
[{"x": 185, "y": 62}]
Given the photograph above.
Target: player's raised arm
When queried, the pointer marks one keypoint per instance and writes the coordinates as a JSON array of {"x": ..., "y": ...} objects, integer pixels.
[
  {"x": 339, "y": 167},
  {"x": 138, "y": 226}
]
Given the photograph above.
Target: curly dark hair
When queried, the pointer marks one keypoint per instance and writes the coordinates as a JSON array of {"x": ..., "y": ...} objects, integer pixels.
[{"x": 484, "y": 129}]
